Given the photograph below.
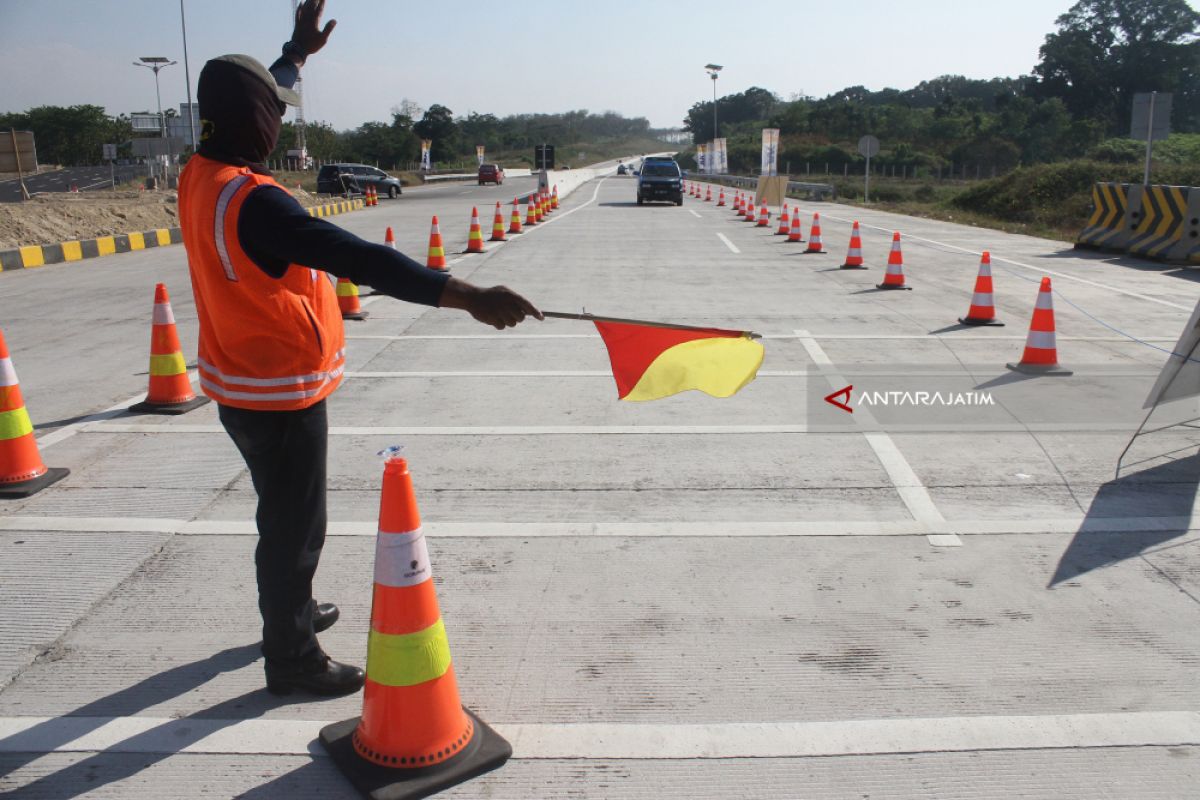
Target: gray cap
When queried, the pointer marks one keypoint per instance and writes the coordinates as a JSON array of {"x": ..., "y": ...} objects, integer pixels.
[{"x": 255, "y": 67}]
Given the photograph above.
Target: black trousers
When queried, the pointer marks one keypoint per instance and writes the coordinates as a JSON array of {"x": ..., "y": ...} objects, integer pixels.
[{"x": 286, "y": 453}]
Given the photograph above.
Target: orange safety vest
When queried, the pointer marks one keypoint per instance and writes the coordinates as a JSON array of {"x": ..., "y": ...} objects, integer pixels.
[{"x": 273, "y": 344}]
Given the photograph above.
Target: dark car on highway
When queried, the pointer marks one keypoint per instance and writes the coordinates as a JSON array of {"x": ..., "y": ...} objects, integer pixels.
[
  {"x": 490, "y": 173},
  {"x": 348, "y": 179},
  {"x": 660, "y": 179}
]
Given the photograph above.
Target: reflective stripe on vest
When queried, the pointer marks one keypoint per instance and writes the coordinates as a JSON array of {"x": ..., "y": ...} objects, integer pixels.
[
  {"x": 223, "y": 201},
  {"x": 15, "y": 423},
  {"x": 291, "y": 380},
  {"x": 408, "y": 659}
]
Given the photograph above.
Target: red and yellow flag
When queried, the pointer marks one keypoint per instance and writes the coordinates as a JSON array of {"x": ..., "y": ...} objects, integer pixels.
[{"x": 651, "y": 362}]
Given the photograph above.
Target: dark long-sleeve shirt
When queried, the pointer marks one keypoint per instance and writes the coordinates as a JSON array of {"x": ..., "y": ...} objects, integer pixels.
[{"x": 276, "y": 231}]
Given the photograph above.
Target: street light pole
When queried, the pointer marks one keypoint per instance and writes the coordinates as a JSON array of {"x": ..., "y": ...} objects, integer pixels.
[
  {"x": 157, "y": 63},
  {"x": 713, "y": 71},
  {"x": 187, "y": 76}
]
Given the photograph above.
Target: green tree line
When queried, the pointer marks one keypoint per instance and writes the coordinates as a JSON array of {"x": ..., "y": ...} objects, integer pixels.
[{"x": 1079, "y": 95}]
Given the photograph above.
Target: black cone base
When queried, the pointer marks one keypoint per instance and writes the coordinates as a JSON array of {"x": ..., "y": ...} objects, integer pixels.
[
  {"x": 16, "y": 491},
  {"x": 853, "y": 266},
  {"x": 486, "y": 752},
  {"x": 893, "y": 287},
  {"x": 356, "y": 314},
  {"x": 969, "y": 321},
  {"x": 815, "y": 252},
  {"x": 1037, "y": 369},
  {"x": 146, "y": 407}
]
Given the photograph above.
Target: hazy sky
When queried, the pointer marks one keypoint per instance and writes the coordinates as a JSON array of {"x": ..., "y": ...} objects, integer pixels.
[{"x": 637, "y": 58}]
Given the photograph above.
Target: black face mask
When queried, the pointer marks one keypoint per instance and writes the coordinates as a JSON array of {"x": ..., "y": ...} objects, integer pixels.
[{"x": 241, "y": 116}]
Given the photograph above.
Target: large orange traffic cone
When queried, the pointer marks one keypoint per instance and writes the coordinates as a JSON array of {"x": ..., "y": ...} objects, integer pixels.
[
  {"x": 437, "y": 253},
  {"x": 170, "y": 390},
  {"x": 737, "y": 203},
  {"x": 414, "y": 737},
  {"x": 764, "y": 217},
  {"x": 748, "y": 215},
  {"x": 983, "y": 307},
  {"x": 514, "y": 225},
  {"x": 539, "y": 206},
  {"x": 894, "y": 279},
  {"x": 531, "y": 216},
  {"x": 475, "y": 233},
  {"x": 721, "y": 198},
  {"x": 347, "y": 295},
  {"x": 782, "y": 230},
  {"x": 1041, "y": 346},
  {"x": 814, "y": 236},
  {"x": 370, "y": 196},
  {"x": 554, "y": 198},
  {"x": 22, "y": 472},
  {"x": 854, "y": 256},
  {"x": 708, "y": 195},
  {"x": 389, "y": 238},
  {"x": 498, "y": 225},
  {"x": 796, "y": 234}
]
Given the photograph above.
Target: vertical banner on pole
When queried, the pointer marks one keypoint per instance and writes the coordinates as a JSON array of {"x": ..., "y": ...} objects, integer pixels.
[
  {"x": 479, "y": 153},
  {"x": 722, "y": 160},
  {"x": 702, "y": 158},
  {"x": 770, "y": 151},
  {"x": 426, "y": 146}
]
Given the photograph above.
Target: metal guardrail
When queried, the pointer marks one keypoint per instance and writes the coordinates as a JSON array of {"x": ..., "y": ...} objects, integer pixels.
[{"x": 809, "y": 191}]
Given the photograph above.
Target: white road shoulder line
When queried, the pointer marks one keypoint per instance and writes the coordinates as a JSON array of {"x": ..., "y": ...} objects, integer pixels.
[
  {"x": 694, "y": 214},
  {"x": 162, "y": 735},
  {"x": 732, "y": 247}
]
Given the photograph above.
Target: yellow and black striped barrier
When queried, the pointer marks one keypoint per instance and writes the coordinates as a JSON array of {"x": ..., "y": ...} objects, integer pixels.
[
  {"x": 1156, "y": 222},
  {"x": 39, "y": 255}
]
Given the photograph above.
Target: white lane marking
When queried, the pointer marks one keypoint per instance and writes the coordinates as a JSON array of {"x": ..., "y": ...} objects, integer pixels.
[
  {"x": 1030, "y": 267},
  {"x": 732, "y": 247},
  {"x": 694, "y": 214},
  {"x": 625, "y": 741},
  {"x": 482, "y": 430},
  {"x": 706, "y": 528},
  {"x": 67, "y": 431},
  {"x": 908, "y": 485}
]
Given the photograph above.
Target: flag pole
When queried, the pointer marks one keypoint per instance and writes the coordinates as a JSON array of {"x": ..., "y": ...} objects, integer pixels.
[{"x": 593, "y": 318}]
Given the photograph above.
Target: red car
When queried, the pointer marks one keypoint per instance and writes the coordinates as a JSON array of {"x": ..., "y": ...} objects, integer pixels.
[{"x": 490, "y": 173}]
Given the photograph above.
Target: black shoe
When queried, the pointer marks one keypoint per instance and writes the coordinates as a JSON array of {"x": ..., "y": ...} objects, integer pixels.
[
  {"x": 324, "y": 616},
  {"x": 322, "y": 676}
]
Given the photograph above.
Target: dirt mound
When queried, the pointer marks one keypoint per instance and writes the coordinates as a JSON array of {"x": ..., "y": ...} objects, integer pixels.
[{"x": 64, "y": 216}]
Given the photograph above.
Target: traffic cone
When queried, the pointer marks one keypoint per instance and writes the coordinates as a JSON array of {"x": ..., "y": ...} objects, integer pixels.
[
  {"x": 437, "y": 253},
  {"x": 22, "y": 472},
  {"x": 708, "y": 195},
  {"x": 531, "y": 211},
  {"x": 347, "y": 295},
  {"x": 389, "y": 238},
  {"x": 814, "y": 236},
  {"x": 854, "y": 258},
  {"x": 1041, "y": 348},
  {"x": 370, "y": 198},
  {"x": 894, "y": 279},
  {"x": 554, "y": 198},
  {"x": 514, "y": 225},
  {"x": 721, "y": 198},
  {"x": 414, "y": 737},
  {"x": 796, "y": 233},
  {"x": 983, "y": 307},
  {"x": 782, "y": 230},
  {"x": 764, "y": 217},
  {"x": 748, "y": 214},
  {"x": 475, "y": 233},
  {"x": 498, "y": 225},
  {"x": 539, "y": 206},
  {"x": 737, "y": 203},
  {"x": 170, "y": 390}
]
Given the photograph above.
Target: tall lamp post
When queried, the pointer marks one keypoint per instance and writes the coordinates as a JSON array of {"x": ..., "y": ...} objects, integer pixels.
[
  {"x": 157, "y": 63},
  {"x": 713, "y": 70}
]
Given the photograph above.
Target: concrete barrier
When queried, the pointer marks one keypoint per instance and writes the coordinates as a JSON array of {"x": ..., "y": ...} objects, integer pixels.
[
  {"x": 1188, "y": 248},
  {"x": 1156, "y": 222},
  {"x": 567, "y": 180},
  {"x": 1160, "y": 226},
  {"x": 1107, "y": 223}
]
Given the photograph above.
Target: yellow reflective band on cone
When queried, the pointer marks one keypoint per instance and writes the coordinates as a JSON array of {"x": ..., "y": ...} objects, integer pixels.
[
  {"x": 162, "y": 366},
  {"x": 15, "y": 423},
  {"x": 408, "y": 659},
  {"x": 347, "y": 289},
  {"x": 718, "y": 366}
]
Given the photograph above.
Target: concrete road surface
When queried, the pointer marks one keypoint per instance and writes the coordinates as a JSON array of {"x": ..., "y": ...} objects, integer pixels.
[
  {"x": 760, "y": 597},
  {"x": 61, "y": 180}
]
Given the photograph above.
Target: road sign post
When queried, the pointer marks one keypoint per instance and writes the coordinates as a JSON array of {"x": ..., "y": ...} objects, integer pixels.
[
  {"x": 868, "y": 146},
  {"x": 110, "y": 154},
  {"x": 1151, "y": 120}
]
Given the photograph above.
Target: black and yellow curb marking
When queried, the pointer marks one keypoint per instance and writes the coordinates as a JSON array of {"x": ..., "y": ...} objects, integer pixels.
[
  {"x": 1109, "y": 203},
  {"x": 1161, "y": 225},
  {"x": 77, "y": 250}
]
